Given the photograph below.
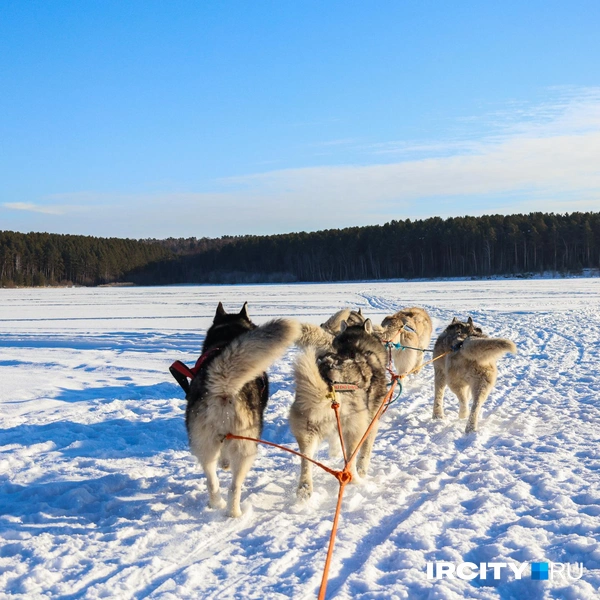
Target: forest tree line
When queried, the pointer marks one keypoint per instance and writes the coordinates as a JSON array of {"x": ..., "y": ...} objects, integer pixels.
[
  {"x": 435, "y": 247},
  {"x": 39, "y": 259}
]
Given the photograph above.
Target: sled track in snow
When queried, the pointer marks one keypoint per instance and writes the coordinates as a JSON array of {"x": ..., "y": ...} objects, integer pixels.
[{"x": 98, "y": 418}]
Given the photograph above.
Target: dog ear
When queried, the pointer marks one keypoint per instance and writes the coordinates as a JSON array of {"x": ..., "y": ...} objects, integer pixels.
[
  {"x": 368, "y": 326},
  {"x": 244, "y": 311},
  {"x": 455, "y": 320},
  {"x": 470, "y": 321},
  {"x": 343, "y": 326},
  {"x": 359, "y": 311},
  {"x": 220, "y": 311}
]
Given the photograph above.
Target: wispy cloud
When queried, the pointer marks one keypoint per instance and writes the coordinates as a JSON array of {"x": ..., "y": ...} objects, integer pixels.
[
  {"x": 529, "y": 157},
  {"x": 36, "y": 208},
  {"x": 550, "y": 150}
]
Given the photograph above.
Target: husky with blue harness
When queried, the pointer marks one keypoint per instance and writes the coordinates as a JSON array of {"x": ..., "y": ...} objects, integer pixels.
[{"x": 407, "y": 334}]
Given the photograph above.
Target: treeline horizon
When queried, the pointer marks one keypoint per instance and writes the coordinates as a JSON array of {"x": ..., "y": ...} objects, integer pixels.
[
  {"x": 41, "y": 259},
  {"x": 491, "y": 245}
]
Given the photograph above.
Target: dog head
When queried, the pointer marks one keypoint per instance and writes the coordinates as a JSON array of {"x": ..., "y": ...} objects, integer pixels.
[
  {"x": 458, "y": 330},
  {"x": 335, "y": 368},
  {"x": 355, "y": 318},
  {"x": 355, "y": 340},
  {"x": 356, "y": 354},
  {"x": 394, "y": 324},
  {"x": 227, "y": 326}
]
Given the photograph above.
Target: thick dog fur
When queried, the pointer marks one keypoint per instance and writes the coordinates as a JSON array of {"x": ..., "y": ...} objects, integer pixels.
[
  {"x": 314, "y": 336},
  {"x": 346, "y": 315},
  {"x": 229, "y": 395},
  {"x": 321, "y": 338},
  {"x": 469, "y": 370},
  {"x": 357, "y": 358},
  {"x": 409, "y": 327}
]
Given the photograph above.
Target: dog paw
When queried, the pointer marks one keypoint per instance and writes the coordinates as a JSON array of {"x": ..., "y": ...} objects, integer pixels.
[
  {"x": 234, "y": 512},
  {"x": 470, "y": 429},
  {"x": 438, "y": 416},
  {"x": 463, "y": 415},
  {"x": 217, "y": 503},
  {"x": 304, "y": 491}
]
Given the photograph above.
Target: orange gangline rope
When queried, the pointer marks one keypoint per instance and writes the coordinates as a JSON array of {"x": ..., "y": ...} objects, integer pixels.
[
  {"x": 336, "y": 408},
  {"x": 344, "y": 476},
  {"x": 231, "y": 436},
  {"x": 343, "y": 482}
]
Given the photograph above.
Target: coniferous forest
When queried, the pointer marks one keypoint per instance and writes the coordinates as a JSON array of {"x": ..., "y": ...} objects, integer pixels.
[
  {"x": 39, "y": 259},
  {"x": 456, "y": 247}
]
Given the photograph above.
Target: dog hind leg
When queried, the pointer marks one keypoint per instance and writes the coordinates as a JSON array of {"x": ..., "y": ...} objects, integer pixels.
[
  {"x": 241, "y": 458},
  {"x": 353, "y": 433},
  {"x": 335, "y": 448},
  {"x": 438, "y": 400},
  {"x": 208, "y": 459},
  {"x": 463, "y": 402},
  {"x": 480, "y": 393},
  {"x": 364, "y": 455},
  {"x": 308, "y": 446}
]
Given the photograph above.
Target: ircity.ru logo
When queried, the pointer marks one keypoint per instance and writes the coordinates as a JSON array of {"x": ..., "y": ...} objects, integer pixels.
[{"x": 469, "y": 570}]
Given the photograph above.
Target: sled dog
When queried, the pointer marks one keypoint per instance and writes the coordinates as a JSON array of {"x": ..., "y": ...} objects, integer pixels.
[
  {"x": 409, "y": 327},
  {"x": 351, "y": 317},
  {"x": 321, "y": 337},
  {"x": 357, "y": 358},
  {"x": 469, "y": 370},
  {"x": 229, "y": 394}
]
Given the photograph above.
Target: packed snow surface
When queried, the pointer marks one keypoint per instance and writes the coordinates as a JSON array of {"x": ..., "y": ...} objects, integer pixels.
[{"x": 100, "y": 497}]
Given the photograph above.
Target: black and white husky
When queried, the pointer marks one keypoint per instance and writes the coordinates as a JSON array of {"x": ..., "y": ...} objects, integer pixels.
[
  {"x": 358, "y": 359},
  {"x": 229, "y": 395}
]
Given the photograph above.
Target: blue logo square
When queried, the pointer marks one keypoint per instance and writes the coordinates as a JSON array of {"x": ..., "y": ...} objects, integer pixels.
[{"x": 539, "y": 571}]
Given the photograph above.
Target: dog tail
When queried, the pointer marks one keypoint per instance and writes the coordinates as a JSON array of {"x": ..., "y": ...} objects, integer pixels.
[
  {"x": 309, "y": 383},
  {"x": 486, "y": 349},
  {"x": 251, "y": 354},
  {"x": 333, "y": 323},
  {"x": 314, "y": 336}
]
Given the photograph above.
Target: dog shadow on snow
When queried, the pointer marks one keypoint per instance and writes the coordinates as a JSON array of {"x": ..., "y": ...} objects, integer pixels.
[
  {"x": 85, "y": 472},
  {"x": 82, "y": 488}
]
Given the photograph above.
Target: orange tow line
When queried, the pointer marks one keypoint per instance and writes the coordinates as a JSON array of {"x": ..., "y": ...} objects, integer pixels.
[{"x": 344, "y": 476}]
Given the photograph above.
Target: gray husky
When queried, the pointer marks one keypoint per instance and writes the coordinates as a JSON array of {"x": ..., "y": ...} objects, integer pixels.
[
  {"x": 357, "y": 358},
  {"x": 229, "y": 393},
  {"x": 408, "y": 327},
  {"x": 469, "y": 370}
]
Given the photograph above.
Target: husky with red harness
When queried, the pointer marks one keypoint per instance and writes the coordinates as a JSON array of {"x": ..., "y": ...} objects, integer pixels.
[{"x": 228, "y": 393}]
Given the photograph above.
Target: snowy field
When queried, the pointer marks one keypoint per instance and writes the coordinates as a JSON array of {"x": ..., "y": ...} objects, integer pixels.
[{"x": 100, "y": 497}]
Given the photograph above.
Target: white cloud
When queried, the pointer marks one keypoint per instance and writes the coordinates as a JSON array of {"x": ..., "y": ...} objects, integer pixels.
[
  {"x": 550, "y": 151},
  {"x": 530, "y": 158},
  {"x": 37, "y": 208}
]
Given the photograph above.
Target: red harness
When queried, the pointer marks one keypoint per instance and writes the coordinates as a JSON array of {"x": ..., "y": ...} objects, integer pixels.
[{"x": 181, "y": 372}]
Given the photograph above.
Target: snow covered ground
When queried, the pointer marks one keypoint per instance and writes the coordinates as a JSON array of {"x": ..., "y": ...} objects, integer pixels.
[{"x": 99, "y": 496}]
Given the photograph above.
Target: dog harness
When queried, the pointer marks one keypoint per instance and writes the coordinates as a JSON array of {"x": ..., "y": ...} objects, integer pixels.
[{"x": 181, "y": 372}]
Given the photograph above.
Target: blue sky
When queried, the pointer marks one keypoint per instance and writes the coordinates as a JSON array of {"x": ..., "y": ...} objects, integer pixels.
[{"x": 205, "y": 118}]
